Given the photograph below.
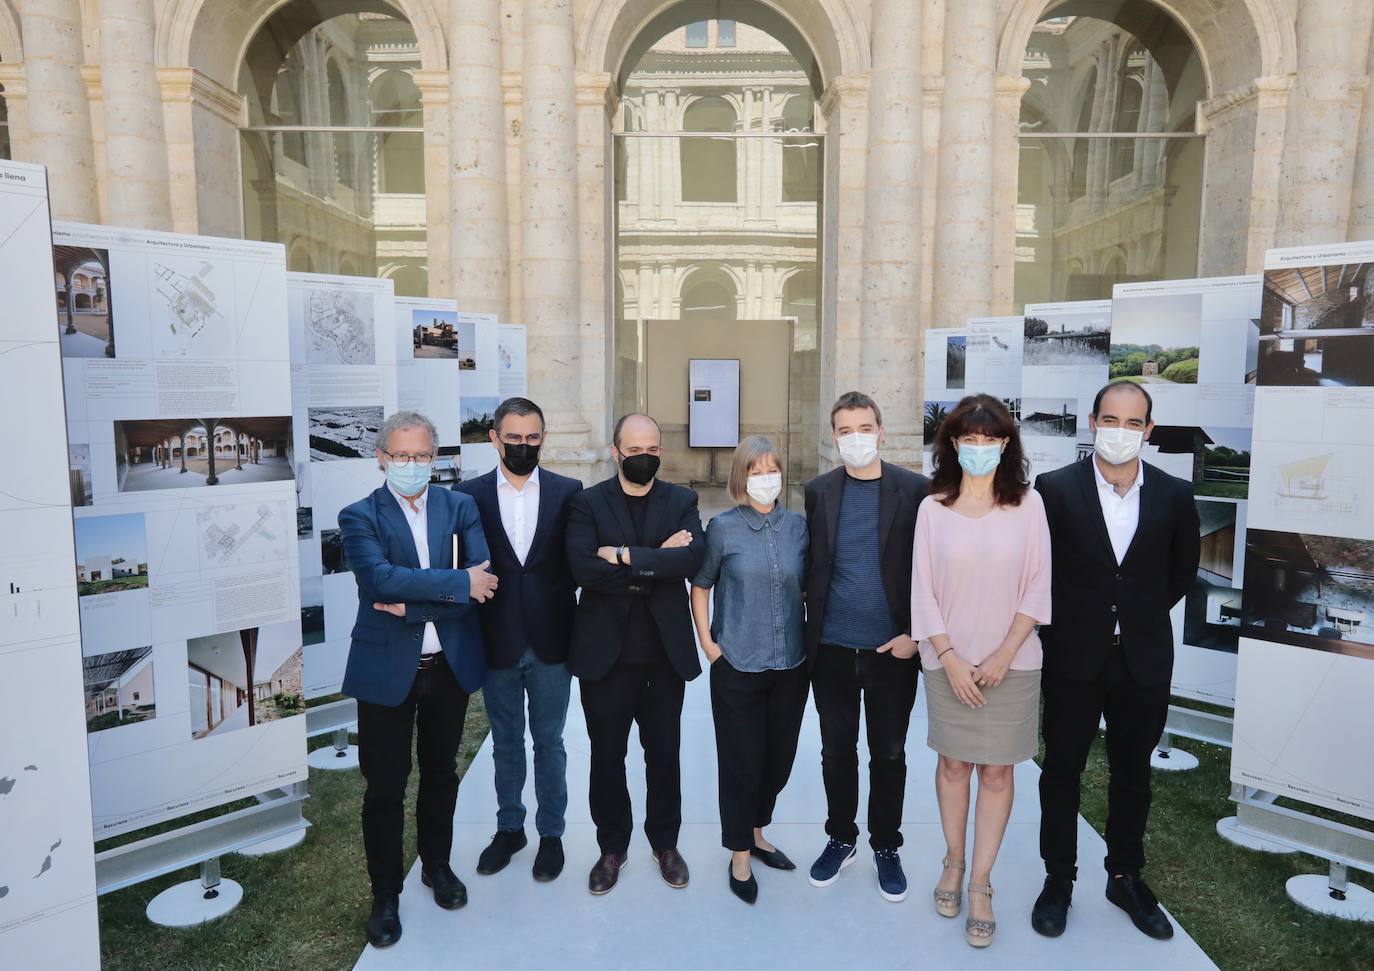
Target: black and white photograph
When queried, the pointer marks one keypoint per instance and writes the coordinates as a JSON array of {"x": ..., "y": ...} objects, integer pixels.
[
  {"x": 111, "y": 554},
  {"x": 79, "y": 470},
  {"x": 1067, "y": 340},
  {"x": 85, "y": 322},
  {"x": 435, "y": 334},
  {"x": 185, "y": 452},
  {"x": 119, "y": 688},
  {"x": 1053, "y": 417},
  {"x": 448, "y": 465},
  {"x": 244, "y": 678},
  {"x": 1317, "y": 327},
  {"x": 477, "y": 417},
  {"x": 1212, "y": 606},
  {"x": 312, "y": 610},
  {"x": 956, "y": 361},
  {"x": 305, "y": 521},
  {"x": 1310, "y": 591},
  {"x": 933, "y": 414},
  {"x": 344, "y": 433},
  {"x": 332, "y": 552}
]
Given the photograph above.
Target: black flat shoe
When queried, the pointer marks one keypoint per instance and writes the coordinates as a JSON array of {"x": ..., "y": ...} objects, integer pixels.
[
  {"x": 449, "y": 892},
  {"x": 746, "y": 890},
  {"x": 1130, "y": 893},
  {"x": 548, "y": 862},
  {"x": 504, "y": 845},
  {"x": 1051, "y": 911},
  {"x": 775, "y": 858},
  {"x": 384, "y": 923}
]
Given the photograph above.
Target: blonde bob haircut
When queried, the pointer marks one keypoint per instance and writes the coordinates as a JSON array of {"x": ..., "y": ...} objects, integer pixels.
[{"x": 749, "y": 453}]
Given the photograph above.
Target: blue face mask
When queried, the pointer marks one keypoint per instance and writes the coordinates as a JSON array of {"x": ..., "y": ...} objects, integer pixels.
[
  {"x": 979, "y": 459},
  {"x": 409, "y": 479}
]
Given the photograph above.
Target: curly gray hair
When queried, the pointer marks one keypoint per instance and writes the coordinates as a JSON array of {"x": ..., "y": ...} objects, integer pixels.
[{"x": 404, "y": 419}]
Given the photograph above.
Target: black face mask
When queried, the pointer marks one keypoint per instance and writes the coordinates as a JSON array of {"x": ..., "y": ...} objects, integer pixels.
[
  {"x": 521, "y": 459},
  {"x": 639, "y": 469}
]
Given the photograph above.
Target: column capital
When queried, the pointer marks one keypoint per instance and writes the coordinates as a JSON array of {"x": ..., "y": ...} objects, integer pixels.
[
  {"x": 848, "y": 89},
  {"x": 90, "y": 77},
  {"x": 15, "y": 79},
  {"x": 1012, "y": 84},
  {"x": 597, "y": 88},
  {"x": 433, "y": 85},
  {"x": 186, "y": 85}
]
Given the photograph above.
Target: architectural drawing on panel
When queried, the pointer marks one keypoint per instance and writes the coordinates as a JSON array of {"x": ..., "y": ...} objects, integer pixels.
[
  {"x": 190, "y": 310},
  {"x": 1305, "y": 478},
  {"x": 339, "y": 328},
  {"x": 239, "y": 534},
  {"x": 26, "y": 796}
]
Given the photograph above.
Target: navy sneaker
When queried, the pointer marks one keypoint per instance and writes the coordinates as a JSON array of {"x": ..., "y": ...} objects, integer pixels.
[
  {"x": 834, "y": 858},
  {"x": 891, "y": 879}
]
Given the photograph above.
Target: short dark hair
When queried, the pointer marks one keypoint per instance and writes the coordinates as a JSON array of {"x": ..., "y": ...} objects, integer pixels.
[
  {"x": 1123, "y": 383},
  {"x": 980, "y": 414},
  {"x": 854, "y": 399},
  {"x": 620, "y": 423},
  {"x": 516, "y": 406}
]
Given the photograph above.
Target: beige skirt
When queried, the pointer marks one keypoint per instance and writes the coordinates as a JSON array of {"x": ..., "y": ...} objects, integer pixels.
[{"x": 1002, "y": 732}]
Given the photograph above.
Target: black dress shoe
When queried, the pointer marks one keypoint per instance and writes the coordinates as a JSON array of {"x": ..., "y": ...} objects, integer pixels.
[
  {"x": 672, "y": 867},
  {"x": 606, "y": 872},
  {"x": 548, "y": 862},
  {"x": 1051, "y": 911},
  {"x": 746, "y": 890},
  {"x": 449, "y": 892},
  {"x": 775, "y": 858},
  {"x": 1129, "y": 893},
  {"x": 504, "y": 845},
  {"x": 384, "y": 923}
]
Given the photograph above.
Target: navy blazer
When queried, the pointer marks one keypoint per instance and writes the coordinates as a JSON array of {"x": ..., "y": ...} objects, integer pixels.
[
  {"x": 380, "y": 551},
  {"x": 534, "y": 605}
]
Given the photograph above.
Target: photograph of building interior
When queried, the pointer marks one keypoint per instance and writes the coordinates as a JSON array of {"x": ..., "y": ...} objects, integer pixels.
[
  {"x": 244, "y": 678},
  {"x": 85, "y": 322},
  {"x": 119, "y": 688},
  {"x": 1211, "y": 608},
  {"x": 183, "y": 452},
  {"x": 1317, "y": 326},
  {"x": 1310, "y": 591}
]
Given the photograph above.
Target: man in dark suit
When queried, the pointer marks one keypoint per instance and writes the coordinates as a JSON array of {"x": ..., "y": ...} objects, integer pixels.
[
  {"x": 528, "y": 627},
  {"x": 633, "y": 541},
  {"x": 1125, "y": 547},
  {"x": 862, "y": 518},
  {"x": 416, "y": 656}
]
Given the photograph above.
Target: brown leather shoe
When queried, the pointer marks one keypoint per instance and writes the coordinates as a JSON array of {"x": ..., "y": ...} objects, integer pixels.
[
  {"x": 673, "y": 868},
  {"x": 606, "y": 872}
]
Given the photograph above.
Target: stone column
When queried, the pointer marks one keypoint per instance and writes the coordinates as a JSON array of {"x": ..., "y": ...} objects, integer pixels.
[
  {"x": 477, "y": 184},
  {"x": 549, "y": 233},
  {"x": 182, "y": 436},
  {"x": 135, "y": 141},
  {"x": 58, "y": 110},
  {"x": 964, "y": 211},
  {"x": 666, "y": 277},
  {"x": 238, "y": 452},
  {"x": 644, "y": 290},
  {"x": 890, "y": 351},
  {"x": 210, "y": 426},
  {"x": 769, "y": 301}
]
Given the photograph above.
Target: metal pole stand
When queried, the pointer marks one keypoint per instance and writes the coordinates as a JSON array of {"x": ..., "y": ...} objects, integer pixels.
[
  {"x": 1166, "y": 758},
  {"x": 1333, "y": 895},
  {"x": 337, "y": 718},
  {"x": 341, "y": 756},
  {"x": 195, "y": 902},
  {"x": 1231, "y": 831}
]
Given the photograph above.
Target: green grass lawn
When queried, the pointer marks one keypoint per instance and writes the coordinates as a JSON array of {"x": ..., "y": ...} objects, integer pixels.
[
  {"x": 1224, "y": 490},
  {"x": 89, "y": 588},
  {"x": 304, "y": 908}
]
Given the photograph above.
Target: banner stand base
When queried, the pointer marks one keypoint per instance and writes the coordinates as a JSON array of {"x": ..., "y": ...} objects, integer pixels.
[
  {"x": 1314, "y": 892},
  {"x": 275, "y": 845},
  {"x": 1173, "y": 760},
  {"x": 1230, "y": 830},
  {"x": 333, "y": 759},
  {"x": 195, "y": 902}
]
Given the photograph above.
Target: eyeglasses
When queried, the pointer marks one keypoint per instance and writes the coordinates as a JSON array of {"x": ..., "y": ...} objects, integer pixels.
[
  {"x": 636, "y": 450},
  {"x": 534, "y": 438},
  {"x": 405, "y": 458}
]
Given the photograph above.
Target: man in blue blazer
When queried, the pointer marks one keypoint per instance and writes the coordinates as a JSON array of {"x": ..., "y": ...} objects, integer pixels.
[
  {"x": 527, "y": 628},
  {"x": 417, "y": 655}
]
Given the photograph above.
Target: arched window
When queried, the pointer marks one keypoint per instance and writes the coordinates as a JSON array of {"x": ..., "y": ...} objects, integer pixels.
[
  {"x": 708, "y": 296},
  {"x": 801, "y": 172},
  {"x": 4, "y": 126},
  {"x": 708, "y": 164},
  {"x": 1110, "y": 113},
  {"x": 333, "y": 153}
]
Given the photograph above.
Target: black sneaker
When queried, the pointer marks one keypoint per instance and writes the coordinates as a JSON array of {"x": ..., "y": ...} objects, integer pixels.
[
  {"x": 834, "y": 858},
  {"x": 1051, "y": 911},
  {"x": 504, "y": 845},
  {"x": 548, "y": 862},
  {"x": 1130, "y": 893},
  {"x": 891, "y": 879}
]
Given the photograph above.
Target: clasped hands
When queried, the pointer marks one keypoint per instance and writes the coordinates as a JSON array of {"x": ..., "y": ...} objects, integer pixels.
[
  {"x": 965, "y": 679},
  {"x": 680, "y": 539},
  {"x": 481, "y": 587}
]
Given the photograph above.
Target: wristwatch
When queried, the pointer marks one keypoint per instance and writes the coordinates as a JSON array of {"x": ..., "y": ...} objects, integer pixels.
[{"x": 620, "y": 555}]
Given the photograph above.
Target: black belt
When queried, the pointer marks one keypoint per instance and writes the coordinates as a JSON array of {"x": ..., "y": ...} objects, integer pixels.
[
  {"x": 1116, "y": 640},
  {"x": 428, "y": 661}
]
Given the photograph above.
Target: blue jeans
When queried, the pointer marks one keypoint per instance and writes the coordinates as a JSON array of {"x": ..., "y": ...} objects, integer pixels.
[{"x": 547, "y": 686}]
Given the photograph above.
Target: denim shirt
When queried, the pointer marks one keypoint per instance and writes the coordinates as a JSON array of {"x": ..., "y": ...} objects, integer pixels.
[{"x": 757, "y": 565}]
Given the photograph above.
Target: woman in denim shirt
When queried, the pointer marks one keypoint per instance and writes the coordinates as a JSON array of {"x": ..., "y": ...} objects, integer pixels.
[{"x": 755, "y": 560}]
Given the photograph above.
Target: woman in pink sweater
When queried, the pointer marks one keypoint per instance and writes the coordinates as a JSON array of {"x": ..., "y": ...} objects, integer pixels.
[{"x": 980, "y": 583}]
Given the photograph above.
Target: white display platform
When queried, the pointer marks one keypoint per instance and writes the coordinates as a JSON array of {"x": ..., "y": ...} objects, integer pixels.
[{"x": 518, "y": 923}]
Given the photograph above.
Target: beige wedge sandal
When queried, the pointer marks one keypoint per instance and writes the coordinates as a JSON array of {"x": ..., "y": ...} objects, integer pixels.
[
  {"x": 949, "y": 902},
  {"x": 979, "y": 932}
]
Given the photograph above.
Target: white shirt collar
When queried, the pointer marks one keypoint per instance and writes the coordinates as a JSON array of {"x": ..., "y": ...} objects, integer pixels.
[
  {"x": 421, "y": 501},
  {"x": 502, "y": 480},
  {"x": 1102, "y": 482}
]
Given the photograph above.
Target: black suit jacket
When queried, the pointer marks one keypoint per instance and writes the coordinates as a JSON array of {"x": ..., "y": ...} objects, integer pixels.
[
  {"x": 899, "y": 496},
  {"x": 1091, "y": 592},
  {"x": 599, "y": 516},
  {"x": 534, "y": 602}
]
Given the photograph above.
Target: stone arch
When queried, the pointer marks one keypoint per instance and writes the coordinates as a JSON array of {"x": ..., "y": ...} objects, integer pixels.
[
  {"x": 214, "y": 36},
  {"x": 609, "y": 33},
  {"x": 11, "y": 39},
  {"x": 716, "y": 279},
  {"x": 1263, "y": 25}
]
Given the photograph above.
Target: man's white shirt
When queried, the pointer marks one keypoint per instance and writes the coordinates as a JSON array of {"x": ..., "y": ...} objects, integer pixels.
[
  {"x": 418, "y": 520},
  {"x": 519, "y": 510}
]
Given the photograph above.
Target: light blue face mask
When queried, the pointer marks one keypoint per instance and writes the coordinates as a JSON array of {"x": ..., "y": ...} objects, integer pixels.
[
  {"x": 979, "y": 459},
  {"x": 409, "y": 479}
]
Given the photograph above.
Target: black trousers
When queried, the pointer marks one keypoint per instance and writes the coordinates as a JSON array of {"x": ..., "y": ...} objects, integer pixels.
[
  {"x": 840, "y": 678},
  {"x": 435, "y": 708},
  {"x": 650, "y": 696},
  {"x": 758, "y": 718},
  {"x": 1135, "y": 716}
]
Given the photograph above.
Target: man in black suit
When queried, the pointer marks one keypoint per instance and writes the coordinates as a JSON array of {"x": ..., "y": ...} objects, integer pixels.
[
  {"x": 524, "y": 513},
  {"x": 1125, "y": 549},
  {"x": 633, "y": 541},
  {"x": 862, "y": 518}
]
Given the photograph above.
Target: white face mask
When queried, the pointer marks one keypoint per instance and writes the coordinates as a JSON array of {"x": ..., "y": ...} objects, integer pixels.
[
  {"x": 765, "y": 487},
  {"x": 1117, "y": 446},
  {"x": 857, "y": 450}
]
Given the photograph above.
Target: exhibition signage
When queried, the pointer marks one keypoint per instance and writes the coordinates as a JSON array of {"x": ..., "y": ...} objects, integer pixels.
[
  {"x": 47, "y": 858},
  {"x": 1306, "y": 664},
  {"x": 982, "y": 356},
  {"x": 713, "y": 402},
  {"x": 177, "y": 370}
]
